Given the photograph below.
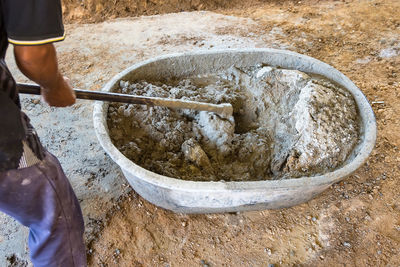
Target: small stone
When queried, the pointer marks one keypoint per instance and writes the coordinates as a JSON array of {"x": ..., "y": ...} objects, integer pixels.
[
  {"x": 347, "y": 244},
  {"x": 204, "y": 263},
  {"x": 124, "y": 84},
  {"x": 263, "y": 71},
  {"x": 35, "y": 101},
  {"x": 268, "y": 251},
  {"x": 194, "y": 153},
  {"x": 347, "y": 219},
  {"x": 314, "y": 219},
  {"x": 121, "y": 110},
  {"x": 117, "y": 251},
  {"x": 379, "y": 252}
]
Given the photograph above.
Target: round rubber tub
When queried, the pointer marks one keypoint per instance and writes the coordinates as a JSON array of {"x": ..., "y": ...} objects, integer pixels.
[{"x": 214, "y": 197}]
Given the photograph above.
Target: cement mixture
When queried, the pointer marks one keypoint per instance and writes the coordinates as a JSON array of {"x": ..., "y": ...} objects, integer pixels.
[{"x": 288, "y": 124}]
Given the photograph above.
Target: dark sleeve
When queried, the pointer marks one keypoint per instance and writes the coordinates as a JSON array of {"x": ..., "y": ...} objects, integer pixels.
[{"x": 33, "y": 22}]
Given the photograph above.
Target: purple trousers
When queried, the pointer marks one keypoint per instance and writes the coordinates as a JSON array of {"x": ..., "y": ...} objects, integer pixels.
[{"x": 41, "y": 198}]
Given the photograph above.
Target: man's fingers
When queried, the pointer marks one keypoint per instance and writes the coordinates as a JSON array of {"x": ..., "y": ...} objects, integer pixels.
[{"x": 61, "y": 96}]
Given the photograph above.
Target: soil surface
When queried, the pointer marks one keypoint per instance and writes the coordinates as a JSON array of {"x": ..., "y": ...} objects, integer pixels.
[
  {"x": 356, "y": 222},
  {"x": 286, "y": 124},
  {"x": 100, "y": 10}
]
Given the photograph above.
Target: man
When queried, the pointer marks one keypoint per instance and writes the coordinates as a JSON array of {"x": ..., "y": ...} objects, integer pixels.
[{"x": 33, "y": 187}]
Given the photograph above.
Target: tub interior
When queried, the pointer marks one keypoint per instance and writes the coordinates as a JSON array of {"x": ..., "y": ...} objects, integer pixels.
[{"x": 182, "y": 67}]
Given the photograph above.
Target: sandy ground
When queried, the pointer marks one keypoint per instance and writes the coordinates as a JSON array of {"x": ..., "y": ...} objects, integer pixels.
[
  {"x": 101, "y": 10},
  {"x": 354, "y": 223}
]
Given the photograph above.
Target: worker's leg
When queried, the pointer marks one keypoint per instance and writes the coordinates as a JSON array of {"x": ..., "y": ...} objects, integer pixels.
[{"x": 41, "y": 198}]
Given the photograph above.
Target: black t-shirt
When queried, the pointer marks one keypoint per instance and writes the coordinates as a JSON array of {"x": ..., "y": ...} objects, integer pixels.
[
  {"x": 22, "y": 22},
  {"x": 33, "y": 22}
]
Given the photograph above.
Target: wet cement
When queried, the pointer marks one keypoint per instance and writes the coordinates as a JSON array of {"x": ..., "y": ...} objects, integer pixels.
[{"x": 286, "y": 124}]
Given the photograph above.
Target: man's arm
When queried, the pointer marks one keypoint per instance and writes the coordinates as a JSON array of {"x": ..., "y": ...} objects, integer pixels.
[{"x": 39, "y": 63}]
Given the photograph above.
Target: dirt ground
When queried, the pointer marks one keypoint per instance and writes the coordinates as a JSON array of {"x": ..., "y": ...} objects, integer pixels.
[
  {"x": 354, "y": 223},
  {"x": 100, "y": 10}
]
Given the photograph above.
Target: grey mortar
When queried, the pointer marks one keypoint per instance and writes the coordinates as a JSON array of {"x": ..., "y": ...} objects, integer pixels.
[{"x": 288, "y": 125}]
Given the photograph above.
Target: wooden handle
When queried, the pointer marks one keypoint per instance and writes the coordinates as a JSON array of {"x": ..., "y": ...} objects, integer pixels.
[{"x": 224, "y": 109}]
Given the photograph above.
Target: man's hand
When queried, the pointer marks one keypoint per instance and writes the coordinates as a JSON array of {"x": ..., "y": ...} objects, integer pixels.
[
  {"x": 39, "y": 63},
  {"x": 62, "y": 96}
]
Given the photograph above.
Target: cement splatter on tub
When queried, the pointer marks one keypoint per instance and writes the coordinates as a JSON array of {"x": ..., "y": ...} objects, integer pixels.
[{"x": 286, "y": 124}]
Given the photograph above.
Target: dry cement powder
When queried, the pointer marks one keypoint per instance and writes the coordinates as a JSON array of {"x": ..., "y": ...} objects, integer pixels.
[{"x": 286, "y": 124}]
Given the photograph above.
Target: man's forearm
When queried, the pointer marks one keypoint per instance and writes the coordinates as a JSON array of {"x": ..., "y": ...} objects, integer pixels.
[{"x": 39, "y": 63}]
